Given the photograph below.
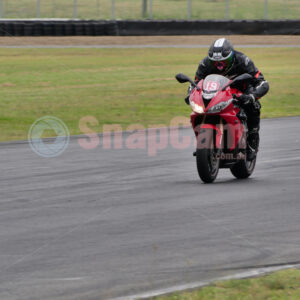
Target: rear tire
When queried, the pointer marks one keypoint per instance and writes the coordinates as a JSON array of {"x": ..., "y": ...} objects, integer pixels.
[
  {"x": 207, "y": 157},
  {"x": 243, "y": 168}
]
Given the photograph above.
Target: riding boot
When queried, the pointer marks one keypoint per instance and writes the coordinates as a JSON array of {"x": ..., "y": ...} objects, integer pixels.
[
  {"x": 253, "y": 122},
  {"x": 252, "y": 143}
]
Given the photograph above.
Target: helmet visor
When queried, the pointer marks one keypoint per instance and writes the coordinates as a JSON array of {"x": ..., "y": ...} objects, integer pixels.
[{"x": 222, "y": 64}]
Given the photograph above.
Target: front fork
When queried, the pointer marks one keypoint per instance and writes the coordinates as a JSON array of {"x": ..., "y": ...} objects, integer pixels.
[
  {"x": 228, "y": 138},
  {"x": 203, "y": 129}
]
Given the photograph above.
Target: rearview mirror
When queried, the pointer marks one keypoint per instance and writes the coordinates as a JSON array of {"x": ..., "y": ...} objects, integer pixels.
[
  {"x": 182, "y": 78},
  {"x": 242, "y": 77}
]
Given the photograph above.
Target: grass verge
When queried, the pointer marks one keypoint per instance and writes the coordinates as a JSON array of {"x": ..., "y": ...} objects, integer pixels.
[
  {"x": 280, "y": 285},
  {"x": 163, "y": 9},
  {"x": 121, "y": 86}
]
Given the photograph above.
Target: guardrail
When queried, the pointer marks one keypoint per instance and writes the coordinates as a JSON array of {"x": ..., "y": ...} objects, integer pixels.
[{"x": 127, "y": 28}]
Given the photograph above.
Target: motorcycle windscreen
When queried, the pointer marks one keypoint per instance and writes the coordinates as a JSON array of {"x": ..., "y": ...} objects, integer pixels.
[{"x": 212, "y": 84}]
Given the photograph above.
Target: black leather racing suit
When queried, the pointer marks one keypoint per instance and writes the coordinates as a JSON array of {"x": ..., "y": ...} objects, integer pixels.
[{"x": 258, "y": 87}]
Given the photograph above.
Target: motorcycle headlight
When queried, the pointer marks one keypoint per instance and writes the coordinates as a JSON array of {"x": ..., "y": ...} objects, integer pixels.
[
  {"x": 196, "y": 107},
  {"x": 219, "y": 107}
]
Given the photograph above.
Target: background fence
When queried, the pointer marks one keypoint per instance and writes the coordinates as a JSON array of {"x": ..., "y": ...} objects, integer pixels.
[{"x": 151, "y": 9}]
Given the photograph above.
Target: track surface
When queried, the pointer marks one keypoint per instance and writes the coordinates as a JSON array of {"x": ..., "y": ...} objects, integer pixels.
[{"x": 100, "y": 224}]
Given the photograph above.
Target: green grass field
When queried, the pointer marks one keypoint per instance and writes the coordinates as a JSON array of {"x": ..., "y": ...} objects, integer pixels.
[
  {"x": 283, "y": 285},
  {"x": 121, "y": 86},
  {"x": 162, "y": 9}
]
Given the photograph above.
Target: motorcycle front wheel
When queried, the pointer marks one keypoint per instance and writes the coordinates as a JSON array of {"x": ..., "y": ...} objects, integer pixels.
[{"x": 207, "y": 156}]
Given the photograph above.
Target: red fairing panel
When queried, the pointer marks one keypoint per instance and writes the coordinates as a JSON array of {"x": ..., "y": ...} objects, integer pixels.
[{"x": 232, "y": 123}]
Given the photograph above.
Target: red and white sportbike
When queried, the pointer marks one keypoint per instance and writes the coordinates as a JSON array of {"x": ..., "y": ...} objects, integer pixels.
[{"x": 220, "y": 126}]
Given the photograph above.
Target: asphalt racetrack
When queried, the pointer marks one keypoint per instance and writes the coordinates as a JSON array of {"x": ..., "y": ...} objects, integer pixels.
[{"x": 101, "y": 224}]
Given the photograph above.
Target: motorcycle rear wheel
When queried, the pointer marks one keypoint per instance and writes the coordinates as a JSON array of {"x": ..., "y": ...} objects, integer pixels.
[{"x": 243, "y": 168}]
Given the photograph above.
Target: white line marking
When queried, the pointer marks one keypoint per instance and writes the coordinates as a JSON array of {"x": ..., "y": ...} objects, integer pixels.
[
  {"x": 199, "y": 284},
  {"x": 66, "y": 279},
  {"x": 135, "y": 46}
]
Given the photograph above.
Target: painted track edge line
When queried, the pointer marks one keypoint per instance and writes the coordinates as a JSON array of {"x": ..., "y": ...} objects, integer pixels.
[
  {"x": 199, "y": 284},
  {"x": 135, "y": 46}
]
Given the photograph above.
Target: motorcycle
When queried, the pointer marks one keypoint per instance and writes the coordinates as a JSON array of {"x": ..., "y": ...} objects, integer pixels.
[{"x": 220, "y": 126}]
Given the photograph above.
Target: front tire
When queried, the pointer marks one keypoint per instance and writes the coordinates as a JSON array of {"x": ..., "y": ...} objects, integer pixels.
[{"x": 207, "y": 159}]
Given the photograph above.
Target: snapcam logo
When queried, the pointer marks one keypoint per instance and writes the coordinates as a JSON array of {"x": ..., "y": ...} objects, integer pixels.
[{"x": 41, "y": 140}]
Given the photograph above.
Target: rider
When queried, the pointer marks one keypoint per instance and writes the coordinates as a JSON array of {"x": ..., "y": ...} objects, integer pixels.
[{"x": 224, "y": 60}]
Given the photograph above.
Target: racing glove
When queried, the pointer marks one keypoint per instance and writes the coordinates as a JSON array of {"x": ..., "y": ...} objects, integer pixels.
[{"x": 244, "y": 100}]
